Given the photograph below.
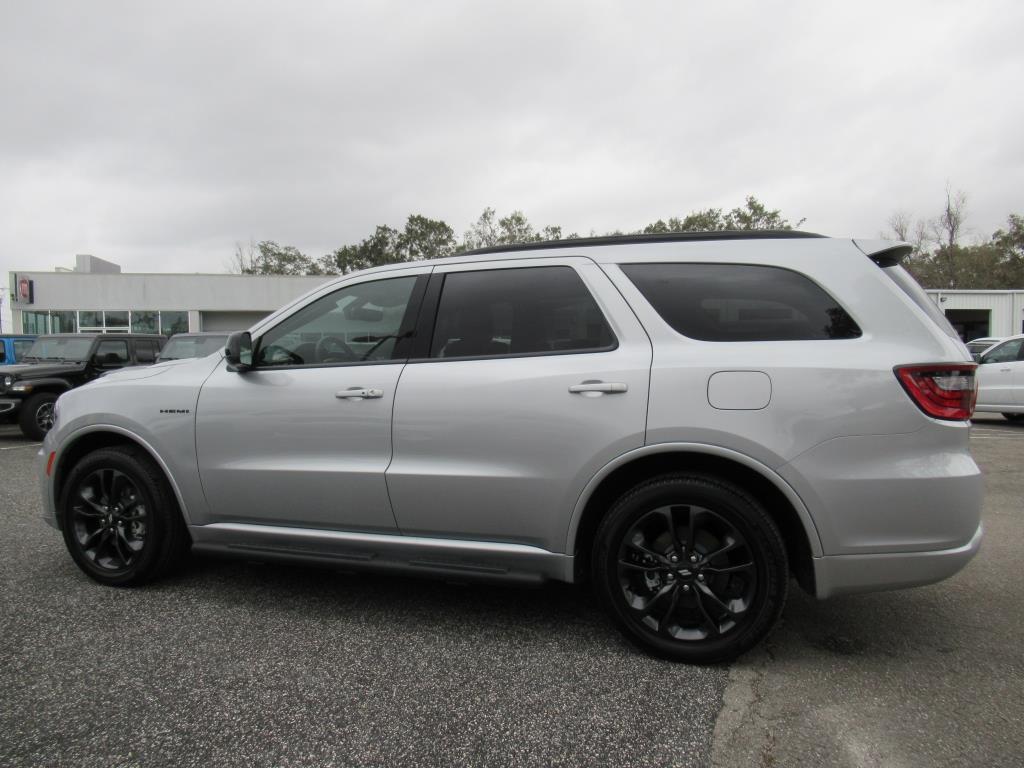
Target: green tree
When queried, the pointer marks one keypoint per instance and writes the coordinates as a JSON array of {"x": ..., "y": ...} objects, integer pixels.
[
  {"x": 753, "y": 214},
  {"x": 1010, "y": 242},
  {"x": 425, "y": 238},
  {"x": 273, "y": 259},
  {"x": 422, "y": 238},
  {"x": 489, "y": 230}
]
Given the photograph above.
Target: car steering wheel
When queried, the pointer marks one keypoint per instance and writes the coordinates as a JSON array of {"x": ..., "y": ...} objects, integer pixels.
[
  {"x": 329, "y": 346},
  {"x": 269, "y": 354}
]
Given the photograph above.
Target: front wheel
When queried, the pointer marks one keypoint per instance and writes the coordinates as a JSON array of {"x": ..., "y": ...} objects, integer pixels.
[
  {"x": 120, "y": 519},
  {"x": 36, "y": 417},
  {"x": 691, "y": 568}
]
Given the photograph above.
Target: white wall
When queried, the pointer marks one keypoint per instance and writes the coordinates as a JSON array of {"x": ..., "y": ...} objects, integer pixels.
[
  {"x": 1006, "y": 307},
  {"x": 74, "y": 290}
]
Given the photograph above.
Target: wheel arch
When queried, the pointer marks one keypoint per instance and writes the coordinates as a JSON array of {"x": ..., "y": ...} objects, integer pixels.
[
  {"x": 783, "y": 503},
  {"x": 99, "y": 436}
]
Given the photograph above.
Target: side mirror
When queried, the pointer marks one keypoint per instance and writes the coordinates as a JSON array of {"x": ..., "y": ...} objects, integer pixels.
[{"x": 238, "y": 352}]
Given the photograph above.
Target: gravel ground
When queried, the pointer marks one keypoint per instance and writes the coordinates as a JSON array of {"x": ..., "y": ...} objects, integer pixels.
[
  {"x": 922, "y": 677},
  {"x": 230, "y": 663}
]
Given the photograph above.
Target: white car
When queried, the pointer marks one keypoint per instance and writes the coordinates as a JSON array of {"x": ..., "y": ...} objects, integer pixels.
[
  {"x": 1001, "y": 379},
  {"x": 977, "y": 346}
]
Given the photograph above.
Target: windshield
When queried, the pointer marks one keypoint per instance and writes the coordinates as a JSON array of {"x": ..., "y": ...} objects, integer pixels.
[
  {"x": 181, "y": 347},
  {"x": 59, "y": 348}
]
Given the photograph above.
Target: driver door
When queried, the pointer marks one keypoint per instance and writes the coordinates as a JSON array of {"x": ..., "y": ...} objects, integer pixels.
[{"x": 303, "y": 439}]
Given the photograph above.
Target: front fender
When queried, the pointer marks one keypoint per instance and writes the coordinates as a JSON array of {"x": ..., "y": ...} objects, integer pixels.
[{"x": 69, "y": 441}]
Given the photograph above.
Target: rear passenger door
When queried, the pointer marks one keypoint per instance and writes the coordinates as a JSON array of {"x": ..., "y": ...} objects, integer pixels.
[{"x": 529, "y": 376}]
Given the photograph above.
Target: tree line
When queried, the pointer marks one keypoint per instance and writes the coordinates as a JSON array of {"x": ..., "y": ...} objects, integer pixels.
[{"x": 941, "y": 258}]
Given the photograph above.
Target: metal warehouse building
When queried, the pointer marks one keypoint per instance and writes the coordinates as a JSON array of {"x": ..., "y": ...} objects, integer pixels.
[
  {"x": 975, "y": 314},
  {"x": 97, "y": 296}
]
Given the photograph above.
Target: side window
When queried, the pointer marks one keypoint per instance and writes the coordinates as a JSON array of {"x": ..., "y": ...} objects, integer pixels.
[
  {"x": 532, "y": 310},
  {"x": 21, "y": 347},
  {"x": 1005, "y": 353},
  {"x": 3, "y": 351},
  {"x": 145, "y": 351},
  {"x": 112, "y": 353},
  {"x": 354, "y": 324},
  {"x": 740, "y": 302}
]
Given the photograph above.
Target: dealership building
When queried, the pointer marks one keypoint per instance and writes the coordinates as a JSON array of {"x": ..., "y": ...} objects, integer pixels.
[{"x": 97, "y": 296}]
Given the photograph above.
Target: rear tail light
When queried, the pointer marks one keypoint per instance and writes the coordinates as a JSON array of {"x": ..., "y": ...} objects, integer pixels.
[{"x": 941, "y": 390}]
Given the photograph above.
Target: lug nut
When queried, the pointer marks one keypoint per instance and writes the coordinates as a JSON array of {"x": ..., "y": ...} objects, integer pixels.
[
  {"x": 700, "y": 577},
  {"x": 671, "y": 577},
  {"x": 686, "y": 587},
  {"x": 674, "y": 558},
  {"x": 693, "y": 558}
]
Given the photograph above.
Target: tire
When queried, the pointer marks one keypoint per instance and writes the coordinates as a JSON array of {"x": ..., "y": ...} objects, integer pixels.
[
  {"x": 36, "y": 416},
  {"x": 668, "y": 594},
  {"x": 1013, "y": 416},
  {"x": 120, "y": 519}
]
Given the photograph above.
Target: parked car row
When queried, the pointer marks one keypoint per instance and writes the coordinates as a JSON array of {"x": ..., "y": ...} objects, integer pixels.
[{"x": 37, "y": 370}]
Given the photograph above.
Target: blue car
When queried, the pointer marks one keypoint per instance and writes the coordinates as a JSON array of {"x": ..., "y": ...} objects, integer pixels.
[{"x": 12, "y": 348}]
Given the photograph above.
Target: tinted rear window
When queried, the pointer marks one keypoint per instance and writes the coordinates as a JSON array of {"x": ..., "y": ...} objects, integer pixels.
[
  {"x": 741, "y": 302},
  {"x": 522, "y": 311}
]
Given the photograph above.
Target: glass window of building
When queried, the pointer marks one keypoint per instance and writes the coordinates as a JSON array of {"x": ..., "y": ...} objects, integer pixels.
[
  {"x": 90, "y": 321},
  {"x": 34, "y": 322},
  {"x": 115, "y": 322},
  {"x": 62, "y": 321},
  {"x": 173, "y": 321},
  {"x": 145, "y": 322}
]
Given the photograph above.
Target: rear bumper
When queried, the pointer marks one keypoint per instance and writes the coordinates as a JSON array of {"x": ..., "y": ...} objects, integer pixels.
[{"x": 849, "y": 574}]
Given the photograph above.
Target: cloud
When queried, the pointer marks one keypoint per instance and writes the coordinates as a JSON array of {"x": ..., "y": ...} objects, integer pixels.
[{"x": 157, "y": 135}]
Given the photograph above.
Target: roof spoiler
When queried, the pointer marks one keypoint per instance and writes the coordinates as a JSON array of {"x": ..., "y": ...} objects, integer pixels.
[{"x": 885, "y": 253}]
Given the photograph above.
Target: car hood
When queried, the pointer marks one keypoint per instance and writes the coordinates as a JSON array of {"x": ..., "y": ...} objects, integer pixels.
[{"x": 39, "y": 370}]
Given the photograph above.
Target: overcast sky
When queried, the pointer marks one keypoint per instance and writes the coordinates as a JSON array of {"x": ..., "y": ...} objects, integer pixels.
[{"x": 157, "y": 135}]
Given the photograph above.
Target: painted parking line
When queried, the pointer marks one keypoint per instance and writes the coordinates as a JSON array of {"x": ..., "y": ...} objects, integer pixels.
[{"x": 16, "y": 447}]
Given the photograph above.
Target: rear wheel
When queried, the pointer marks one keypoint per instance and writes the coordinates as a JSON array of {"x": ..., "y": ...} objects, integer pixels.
[
  {"x": 36, "y": 417},
  {"x": 120, "y": 520},
  {"x": 691, "y": 568}
]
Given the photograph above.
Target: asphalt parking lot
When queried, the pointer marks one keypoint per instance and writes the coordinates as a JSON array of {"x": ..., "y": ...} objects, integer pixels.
[{"x": 231, "y": 663}]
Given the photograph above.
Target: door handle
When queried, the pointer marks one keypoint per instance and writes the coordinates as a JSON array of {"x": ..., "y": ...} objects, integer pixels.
[
  {"x": 359, "y": 393},
  {"x": 611, "y": 387}
]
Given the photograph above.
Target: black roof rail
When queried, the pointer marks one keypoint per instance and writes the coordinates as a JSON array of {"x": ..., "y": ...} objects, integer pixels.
[{"x": 664, "y": 237}]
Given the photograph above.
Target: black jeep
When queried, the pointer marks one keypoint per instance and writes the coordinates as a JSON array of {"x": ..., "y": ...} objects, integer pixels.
[{"x": 57, "y": 363}]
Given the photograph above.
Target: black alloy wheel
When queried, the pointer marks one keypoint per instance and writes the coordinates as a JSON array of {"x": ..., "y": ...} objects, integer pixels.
[
  {"x": 687, "y": 572},
  {"x": 691, "y": 568},
  {"x": 108, "y": 517},
  {"x": 120, "y": 518}
]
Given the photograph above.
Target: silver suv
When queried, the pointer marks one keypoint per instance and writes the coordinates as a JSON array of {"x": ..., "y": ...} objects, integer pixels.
[{"x": 684, "y": 421}]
